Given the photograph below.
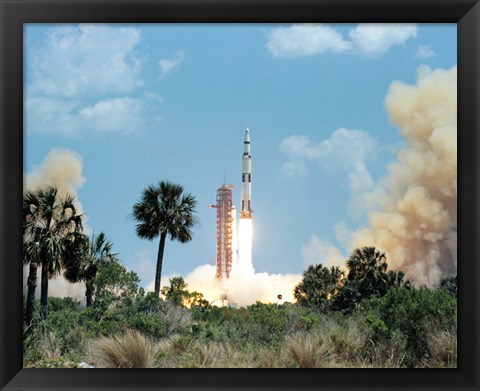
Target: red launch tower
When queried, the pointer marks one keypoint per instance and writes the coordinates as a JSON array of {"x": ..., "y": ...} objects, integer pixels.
[{"x": 225, "y": 219}]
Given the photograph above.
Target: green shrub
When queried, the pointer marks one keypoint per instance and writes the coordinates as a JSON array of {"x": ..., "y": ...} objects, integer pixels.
[
  {"x": 56, "y": 304},
  {"x": 411, "y": 312},
  {"x": 449, "y": 284},
  {"x": 147, "y": 324},
  {"x": 299, "y": 318},
  {"x": 268, "y": 322}
]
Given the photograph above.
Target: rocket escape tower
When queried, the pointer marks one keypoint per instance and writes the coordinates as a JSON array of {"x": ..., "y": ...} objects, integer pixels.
[{"x": 225, "y": 218}]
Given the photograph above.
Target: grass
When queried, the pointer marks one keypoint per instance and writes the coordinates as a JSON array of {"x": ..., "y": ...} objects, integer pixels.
[
  {"x": 130, "y": 350},
  {"x": 443, "y": 348},
  {"x": 305, "y": 340},
  {"x": 308, "y": 350},
  {"x": 331, "y": 344}
]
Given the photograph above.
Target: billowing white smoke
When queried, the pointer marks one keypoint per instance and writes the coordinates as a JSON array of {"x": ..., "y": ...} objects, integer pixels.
[
  {"x": 57, "y": 287},
  {"x": 414, "y": 216},
  {"x": 63, "y": 169},
  {"x": 242, "y": 288}
]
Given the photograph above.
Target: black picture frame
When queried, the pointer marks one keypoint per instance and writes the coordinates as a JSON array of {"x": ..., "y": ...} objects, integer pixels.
[{"x": 14, "y": 13}]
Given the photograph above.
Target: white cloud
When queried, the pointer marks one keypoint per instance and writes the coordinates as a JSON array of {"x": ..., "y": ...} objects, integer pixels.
[
  {"x": 81, "y": 79},
  {"x": 144, "y": 266},
  {"x": 309, "y": 39},
  {"x": 149, "y": 95},
  {"x": 302, "y": 147},
  {"x": 425, "y": 51},
  {"x": 73, "y": 117},
  {"x": 119, "y": 114},
  {"x": 345, "y": 153},
  {"x": 167, "y": 65},
  {"x": 294, "y": 168},
  {"x": 304, "y": 40},
  {"x": 50, "y": 115},
  {"x": 320, "y": 251},
  {"x": 347, "y": 149},
  {"x": 377, "y": 38},
  {"x": 86, "y": 61}
]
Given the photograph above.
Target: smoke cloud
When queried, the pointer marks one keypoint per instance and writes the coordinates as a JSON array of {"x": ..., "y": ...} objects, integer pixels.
[
  {"x": 244, "y": 286},
  {"x": 57, "y": 287},
  {"x": 414, "y": 215},
  {"x": 61, "y": 168}
]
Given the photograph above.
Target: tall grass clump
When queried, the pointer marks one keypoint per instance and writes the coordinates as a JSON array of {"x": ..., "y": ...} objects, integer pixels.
[
  {"x": 443, "y": 349},
  {"x": 307, "y": 350},
  {"x": 129, "y": 350}
]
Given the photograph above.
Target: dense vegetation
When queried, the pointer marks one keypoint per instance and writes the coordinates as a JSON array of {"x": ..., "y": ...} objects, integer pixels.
[
  {"x": 127, "y": 327},
  {"x": 363, "y": 316}
]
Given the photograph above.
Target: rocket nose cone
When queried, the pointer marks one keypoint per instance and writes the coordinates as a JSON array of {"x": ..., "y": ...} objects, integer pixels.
[{"x": 247, "y": 135}]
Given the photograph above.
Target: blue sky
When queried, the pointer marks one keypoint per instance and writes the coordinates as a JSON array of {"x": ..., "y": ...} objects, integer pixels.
[{"x": 142, "y": 103}]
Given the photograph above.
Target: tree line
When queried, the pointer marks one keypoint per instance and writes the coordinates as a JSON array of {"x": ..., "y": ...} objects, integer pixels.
[{"x": 54, "y": 241}]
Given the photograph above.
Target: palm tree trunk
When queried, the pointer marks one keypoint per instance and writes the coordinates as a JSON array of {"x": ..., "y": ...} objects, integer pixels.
[
  {"x": 44, "y": 291},
  {"x": 158, "y": 273},
  {"x": 89, "y": 292},
  {"x": 31, "y": 287}
]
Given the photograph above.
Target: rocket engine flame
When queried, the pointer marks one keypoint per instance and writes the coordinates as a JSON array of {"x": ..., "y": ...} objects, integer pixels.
[{"x": 245, "y": 236}]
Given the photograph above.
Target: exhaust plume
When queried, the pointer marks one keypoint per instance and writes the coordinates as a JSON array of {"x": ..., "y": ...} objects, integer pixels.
[
  {"x": 244, "y": 287},
  {"x": 414, "y": 216}
]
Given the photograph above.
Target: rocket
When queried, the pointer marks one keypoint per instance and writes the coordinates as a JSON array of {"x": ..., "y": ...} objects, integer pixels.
[{"x": 246, "y": 191}]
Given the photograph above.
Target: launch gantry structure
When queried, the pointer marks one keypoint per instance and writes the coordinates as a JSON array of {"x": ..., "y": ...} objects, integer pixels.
[{"x": 225, "y": 225}]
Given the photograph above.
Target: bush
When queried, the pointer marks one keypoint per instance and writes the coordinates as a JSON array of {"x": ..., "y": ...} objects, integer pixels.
[
  {"x": 57, "y": 304},
  {"x": 268, "y": 322},
  {"x": 449, "y": 284},
  {"x": 298, "y": 318},
  {"x": 411, "y": 312},
  {"x": 148, "y": 325}
]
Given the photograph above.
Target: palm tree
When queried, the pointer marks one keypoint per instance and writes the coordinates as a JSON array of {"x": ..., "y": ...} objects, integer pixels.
[
  {"x": 319, "y": 283},
  {"x": 31, "y": 288},
  {"x": 52, "y": 232},
  {"x": 164, "y": 210},
  {"x": 397, "y": 278},
  {"x": 94, "y": 252},
  {"x": 367, "y": 267},
  {"x": 367, "y": 276},
  {"x": 29, "y": 207}
]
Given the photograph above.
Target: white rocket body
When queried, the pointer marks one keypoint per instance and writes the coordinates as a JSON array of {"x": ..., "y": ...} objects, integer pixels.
[{"x": 246, "y": 190}]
